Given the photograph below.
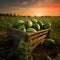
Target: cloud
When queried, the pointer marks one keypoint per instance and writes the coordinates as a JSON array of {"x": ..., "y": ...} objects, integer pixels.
[
  {"x": 24, "y": 3},
  {"x": 52, "y": 6},
  {"x": 15, "y": 4},
  {"x": 57, "y": 1},
  {"x": 30, "y": 3}
]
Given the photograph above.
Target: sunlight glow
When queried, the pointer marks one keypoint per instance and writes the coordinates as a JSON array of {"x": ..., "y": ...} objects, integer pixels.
[{"x": 37, "y": 14}]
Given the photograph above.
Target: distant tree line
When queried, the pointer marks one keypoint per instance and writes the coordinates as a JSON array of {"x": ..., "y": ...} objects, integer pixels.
[
  {"x": 7, "y": 14},
  {"x": 10, "y": 14},
  {"x": 14, "y": 15}
]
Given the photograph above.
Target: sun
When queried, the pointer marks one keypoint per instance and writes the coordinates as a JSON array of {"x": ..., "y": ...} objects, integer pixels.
[{"x": 37, "y": 12}]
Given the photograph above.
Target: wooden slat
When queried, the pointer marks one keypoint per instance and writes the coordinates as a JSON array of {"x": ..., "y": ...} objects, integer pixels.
[
  {"x": 33, "y": 47},
  {"x": 37, "y": 40},
  {"x": 38, "y": 35},
  {"x": 35, "y": 44},
  {"x": 41, "y": 31}
]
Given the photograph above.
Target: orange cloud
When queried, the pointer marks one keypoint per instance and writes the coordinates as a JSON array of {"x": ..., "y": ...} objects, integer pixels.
[
  {"x": 49, "y": 6},
  {"x": 24, "y": 3}
]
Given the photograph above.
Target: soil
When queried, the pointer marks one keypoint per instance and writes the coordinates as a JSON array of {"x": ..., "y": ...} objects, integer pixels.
[{"x": 43, "y": 53}]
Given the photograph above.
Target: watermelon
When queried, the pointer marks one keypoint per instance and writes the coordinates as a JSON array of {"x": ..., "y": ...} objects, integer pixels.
[
  {"x": 47, "y": 25},
  {"x": 41, "y": 24},
  {"x": 18, "y": 23},
  {"x": 36, "y": 26},
  {"x": 28, "y": 23},
  {"x": 22, "y": 28},
  {"x": 34, "y": 20},
  {"x": 49, "y": 43},
  {"x": 31, "y": 30}
]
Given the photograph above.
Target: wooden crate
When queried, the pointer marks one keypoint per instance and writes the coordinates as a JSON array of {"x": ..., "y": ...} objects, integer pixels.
[
  {"x": 15, "y": 36},
  {"x": 32, "y": 38}
]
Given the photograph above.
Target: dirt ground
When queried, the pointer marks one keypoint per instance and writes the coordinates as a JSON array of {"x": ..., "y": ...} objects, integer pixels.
[{"x": 43, "y": 53}]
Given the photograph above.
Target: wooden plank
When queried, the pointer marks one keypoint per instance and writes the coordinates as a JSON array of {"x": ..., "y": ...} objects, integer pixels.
[
  {"x": 35, "y": 44},
  {"x": 38, "y": 35},
  {"x": 41, "y": 31},
  {"x": 33, "y": 47},
  {"x": 37, "y": 40}
]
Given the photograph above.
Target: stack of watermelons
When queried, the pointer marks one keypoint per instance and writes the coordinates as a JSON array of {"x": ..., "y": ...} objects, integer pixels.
[
  {"x": 30, "y": 25},
  {"x": 34, "y": 25}
]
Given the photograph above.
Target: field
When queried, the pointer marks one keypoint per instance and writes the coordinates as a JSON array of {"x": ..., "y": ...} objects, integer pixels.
[
  {"x": 55, "y": 21},
  {"x": 7, "y": 21}
]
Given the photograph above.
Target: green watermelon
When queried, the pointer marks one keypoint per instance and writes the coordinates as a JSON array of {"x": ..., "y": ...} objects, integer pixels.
[
  {"x": 34, "y": 21},
  {"x": 28, "y": 23},
  {"x": 31, "y": 30},
  {"x": 18, "y": 23},
  {"x": 47, "y": 25},
  {"x": 36, "y": 26},
  {"x": 22, "y": 28},
  {"x": 21, "y": 21},
  {"x": 49, "y": 43},
  {"x": 41, "y": 24}
]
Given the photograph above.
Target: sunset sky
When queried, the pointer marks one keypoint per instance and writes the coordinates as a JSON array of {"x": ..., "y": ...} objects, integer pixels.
[{"x": 31, "y": 7}]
